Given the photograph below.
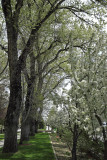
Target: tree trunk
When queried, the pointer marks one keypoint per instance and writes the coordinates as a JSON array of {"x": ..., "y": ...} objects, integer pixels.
[
  {"x": 13, "y": 112},
  {"x": 25, "y": 128},
  {"x": 104, "y": 135},
  {"x": 74, "y": 148},
  {"x": 12, "y": 117},
  {"x": 10, "y": 142},
  {"x": 32, "y": 127},
  {"x": 25, "y": 131},
  {"x": 74, "y": 155},
  {"x": 105, "y": 150},
  {"x": 2, "y": 129},
  {"x": 36, "y": 126}
]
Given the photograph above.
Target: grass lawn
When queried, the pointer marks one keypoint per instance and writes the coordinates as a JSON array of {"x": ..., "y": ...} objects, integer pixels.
[
  {"x": 1, "y": 136},
  {"x": 38, "y": 148}
]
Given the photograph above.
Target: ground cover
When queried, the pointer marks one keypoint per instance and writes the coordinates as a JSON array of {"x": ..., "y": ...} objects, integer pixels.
[
  {"x": 1, "y": 136},
  {"x": 87, "y": 151},
  {"x": 37, "y": 148}
]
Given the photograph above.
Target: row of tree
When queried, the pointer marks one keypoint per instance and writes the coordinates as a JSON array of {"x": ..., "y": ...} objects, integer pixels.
[
  {"x": 46, "y": 42},
  {"x": 80, "y": 110}
]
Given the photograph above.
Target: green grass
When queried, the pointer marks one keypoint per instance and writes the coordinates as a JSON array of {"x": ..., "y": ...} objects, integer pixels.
[
  {"x": 41, "y": 130},
  {"x": 1, "y": 136},
  {"x": 39, "y": 149}
]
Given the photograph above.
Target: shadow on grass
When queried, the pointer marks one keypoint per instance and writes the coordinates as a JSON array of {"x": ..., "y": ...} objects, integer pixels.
[{"x": 38, "y": 148}]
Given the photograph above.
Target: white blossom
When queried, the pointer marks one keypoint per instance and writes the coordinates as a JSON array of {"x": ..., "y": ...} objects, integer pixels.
[{"x": 98, "y": 129}]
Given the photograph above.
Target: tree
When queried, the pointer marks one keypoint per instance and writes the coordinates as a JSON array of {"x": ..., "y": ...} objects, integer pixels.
[
  {"x": 43, "y": 63},
  {"x": 90, "y": 84},
  {"x": 30, "y": 80}
]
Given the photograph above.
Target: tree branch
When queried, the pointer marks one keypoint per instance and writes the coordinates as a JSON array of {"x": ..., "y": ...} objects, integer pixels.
[
  {"x": 7, "y": 10},
  {"x": 31, "y": 39},
  {"x": 3, "y": 48},
  {"x": 18, "y": 7},
  {"x": 4, "y": 68},
  {"x": 50, "y": 47},
  {"x": 56, "y": 85},
  {"x": 26, "y": 75},
  {"x": 101, "y": 124},
  {"x": 54, "y": 68},
  {"x": 56, "y": 56}
]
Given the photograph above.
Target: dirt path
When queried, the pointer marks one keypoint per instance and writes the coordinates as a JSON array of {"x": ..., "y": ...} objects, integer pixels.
[{"x": 61, "y": 150}]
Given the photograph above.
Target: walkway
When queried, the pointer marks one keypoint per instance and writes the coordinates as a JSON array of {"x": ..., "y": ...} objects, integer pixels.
[{"x": 61, "y": 149}]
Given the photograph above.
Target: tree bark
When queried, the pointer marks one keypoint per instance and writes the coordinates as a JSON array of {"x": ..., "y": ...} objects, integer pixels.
[
  {"x": 74, "y": 148},
  {"x": 36, "y": 126},
  {"x": 13, "y": 112},
  {"x": 10, "y": 142},
  {"x": 26, "y": 121},
  {"x": 105, "y": 150},
  {"x": 25, "y": 125},
  {"x": 32, "y": 127},
  {"x": 104, "y": 135},
  {"x": 25, "y": 131},
  {"x": 74, "y": 156}
]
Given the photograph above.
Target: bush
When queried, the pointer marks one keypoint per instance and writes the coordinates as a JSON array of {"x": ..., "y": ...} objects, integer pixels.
[{"x": 89, "y": 147}]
